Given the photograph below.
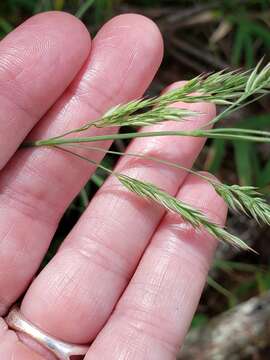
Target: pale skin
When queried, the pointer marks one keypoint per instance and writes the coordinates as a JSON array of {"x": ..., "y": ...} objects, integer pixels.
[{"x": 128, "y": 277}]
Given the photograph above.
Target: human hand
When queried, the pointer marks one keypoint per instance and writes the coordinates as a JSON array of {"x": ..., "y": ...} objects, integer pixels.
[{"x": 128, "y": 277}]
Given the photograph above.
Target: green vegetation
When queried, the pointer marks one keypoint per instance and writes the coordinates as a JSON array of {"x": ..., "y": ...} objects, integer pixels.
[{"x": 231, "y": 34}]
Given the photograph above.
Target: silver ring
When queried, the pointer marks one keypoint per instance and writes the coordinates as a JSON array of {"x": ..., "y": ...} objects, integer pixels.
[{"x": 62, "y": 350}]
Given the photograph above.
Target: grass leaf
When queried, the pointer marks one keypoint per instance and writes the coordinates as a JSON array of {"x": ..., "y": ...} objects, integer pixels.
[{"x": 84, "y": 8}]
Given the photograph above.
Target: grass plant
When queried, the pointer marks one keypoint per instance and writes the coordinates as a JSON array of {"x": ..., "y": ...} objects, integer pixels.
[{"x": 232, "y": 90}]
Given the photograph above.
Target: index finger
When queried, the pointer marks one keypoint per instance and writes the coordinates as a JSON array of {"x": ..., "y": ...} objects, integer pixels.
[{"x": 38, "y": 60}]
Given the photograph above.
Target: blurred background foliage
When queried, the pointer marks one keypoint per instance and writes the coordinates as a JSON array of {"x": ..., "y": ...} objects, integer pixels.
[{"x": 200, "y": 36}]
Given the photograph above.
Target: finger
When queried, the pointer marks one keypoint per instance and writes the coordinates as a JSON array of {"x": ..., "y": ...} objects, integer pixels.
[
  {"x": 87, "y": 276},
  {"x": 157, "y": 307},
  {"x": 11, "y": 348},
  {"x": 38, "y": 60},
  {"x": 37, "y": 185}
]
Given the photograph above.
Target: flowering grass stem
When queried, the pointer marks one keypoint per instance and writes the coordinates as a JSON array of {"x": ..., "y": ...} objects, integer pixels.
[
  {"x": 189, "y": 214},
  {"x": 225, "y": 133},
  {"x": 246, "y": 199},
  {"x": 232, "y": 89}
]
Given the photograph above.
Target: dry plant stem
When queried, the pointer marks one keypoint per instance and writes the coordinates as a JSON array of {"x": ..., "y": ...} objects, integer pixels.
[{"x": 234, "y": 335}]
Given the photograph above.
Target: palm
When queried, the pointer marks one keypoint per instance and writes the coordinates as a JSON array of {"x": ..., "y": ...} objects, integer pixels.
[{"x": 125, "y": 268}]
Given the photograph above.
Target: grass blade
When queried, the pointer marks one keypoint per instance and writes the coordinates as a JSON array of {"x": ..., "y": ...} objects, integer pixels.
[{"x": 84, "y": 8}]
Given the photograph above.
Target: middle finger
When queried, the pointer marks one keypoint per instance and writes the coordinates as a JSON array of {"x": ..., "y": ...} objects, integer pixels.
[{"x": 75, "y": 294}]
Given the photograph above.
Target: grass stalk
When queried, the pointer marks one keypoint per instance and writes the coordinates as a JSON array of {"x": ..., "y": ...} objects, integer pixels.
[{"x": 233, "y": 89}]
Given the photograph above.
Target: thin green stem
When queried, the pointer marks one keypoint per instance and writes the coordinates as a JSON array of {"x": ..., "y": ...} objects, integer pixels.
[
  {"x": 97, "y": 180},
  {"x": 240, "y": 131},
  {"x": 233, "y": 107},
  {"x": 86, "y": 159},
  {"x": 228, "y": 133},
  {"x": 84, "y": 7},
  {"x": 150, "y": 191},
  {"x": 222, "y": 290},
  {"x": 146, "y": 157},
  {"x": 237, "y": 105},
  {"x": 84, "y": 197}
]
